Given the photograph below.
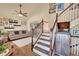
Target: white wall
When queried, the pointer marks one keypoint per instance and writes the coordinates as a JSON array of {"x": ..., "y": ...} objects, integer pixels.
[{"x": 22, "y": 27}]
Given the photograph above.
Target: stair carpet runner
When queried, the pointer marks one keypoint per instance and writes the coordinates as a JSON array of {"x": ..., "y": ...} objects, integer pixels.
[{"x": 43, "y": 45}]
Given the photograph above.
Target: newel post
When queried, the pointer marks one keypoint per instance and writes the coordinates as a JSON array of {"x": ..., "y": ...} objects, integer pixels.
[
  {"x": 51, "y": 46},
  {"x": 57, "y": 16},
  {"x": 32, "y": 39},
  {"x": 42, "y": 25}
]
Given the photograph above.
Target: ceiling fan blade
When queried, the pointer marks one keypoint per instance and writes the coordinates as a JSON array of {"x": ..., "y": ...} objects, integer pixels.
[
  {"x": 24, "y": 15},
  {"x": 20, "y": 12}
]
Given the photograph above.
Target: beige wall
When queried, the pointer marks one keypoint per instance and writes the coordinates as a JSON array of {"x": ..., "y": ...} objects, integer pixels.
[{"x": 50, "y": 18}]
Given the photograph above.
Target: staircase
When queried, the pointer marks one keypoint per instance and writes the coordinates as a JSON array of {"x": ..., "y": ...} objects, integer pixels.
[{"x": 43, "y": 45}]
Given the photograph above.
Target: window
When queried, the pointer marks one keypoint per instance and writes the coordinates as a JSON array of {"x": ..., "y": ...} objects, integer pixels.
[{"x": 60, "y": 6}]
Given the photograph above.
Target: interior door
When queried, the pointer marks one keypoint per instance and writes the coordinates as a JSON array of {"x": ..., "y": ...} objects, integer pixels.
[{"x": 62, "y": 46}]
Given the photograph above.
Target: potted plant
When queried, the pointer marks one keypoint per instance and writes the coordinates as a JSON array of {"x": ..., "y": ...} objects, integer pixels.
[{"x": 3, "y": 48}]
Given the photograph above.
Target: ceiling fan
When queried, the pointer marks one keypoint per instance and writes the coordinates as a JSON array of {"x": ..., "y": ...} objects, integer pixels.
[{"x": 20, "y": 13}]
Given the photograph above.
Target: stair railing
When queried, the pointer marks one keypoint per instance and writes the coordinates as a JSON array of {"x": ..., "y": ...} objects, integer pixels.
[
  {"x": 64, "y": 16},
  {"x": 74, "y": 46},
  {"x": 36, "y": 33},
  {"x": 53, "y": 36},
  {"x": 70, "y": 14}
]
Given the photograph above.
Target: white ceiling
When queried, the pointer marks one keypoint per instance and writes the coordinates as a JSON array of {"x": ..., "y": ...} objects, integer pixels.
[{"x": 8, "y": 9}]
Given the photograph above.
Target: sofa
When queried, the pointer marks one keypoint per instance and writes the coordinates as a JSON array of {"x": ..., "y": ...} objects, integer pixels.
[{"x": 18, "y": 34}]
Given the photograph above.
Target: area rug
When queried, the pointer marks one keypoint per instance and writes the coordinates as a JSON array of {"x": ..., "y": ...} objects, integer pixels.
[{"x": 22, "y": 42}]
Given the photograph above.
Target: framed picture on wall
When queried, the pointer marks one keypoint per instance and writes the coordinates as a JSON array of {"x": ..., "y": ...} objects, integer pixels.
[
  {"x": 52, "y": 8},
  {"x": 76, "y": 32}
]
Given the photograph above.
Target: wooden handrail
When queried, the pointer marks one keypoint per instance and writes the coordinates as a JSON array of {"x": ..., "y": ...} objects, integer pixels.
[
  {"x": 50, "y": 52},
  {"x": 55, "y": 22},
  {"x": 66, "y": 9}
]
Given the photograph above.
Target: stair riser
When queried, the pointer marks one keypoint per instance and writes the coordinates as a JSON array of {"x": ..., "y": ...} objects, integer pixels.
[
  {"x": 44, "y": 42},
  {"x": 43, "y": 37},
  {"x": 43, "y": 47},
  {"x": 47, "y": 34},
  {"x": 39, "y": 53}
]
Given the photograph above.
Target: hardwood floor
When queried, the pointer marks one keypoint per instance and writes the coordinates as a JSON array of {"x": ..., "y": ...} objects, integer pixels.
[{"x": 23, "y": 51}]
